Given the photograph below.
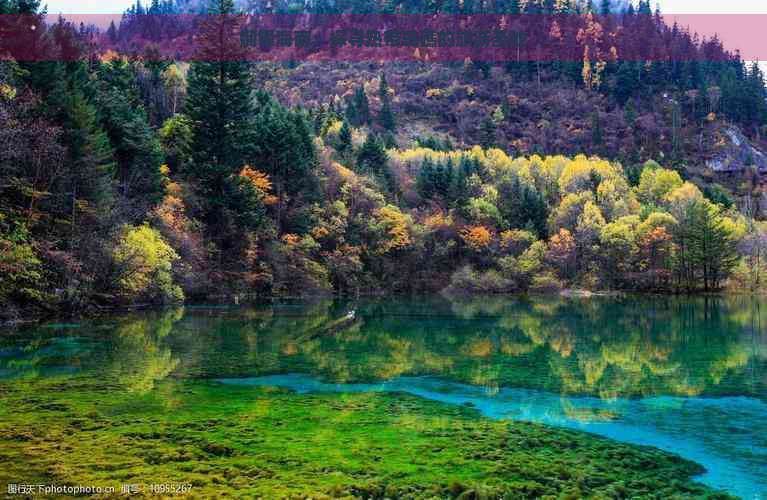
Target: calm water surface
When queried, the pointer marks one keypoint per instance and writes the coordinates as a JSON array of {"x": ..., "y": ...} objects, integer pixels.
[{"x": 685, "y": 375}]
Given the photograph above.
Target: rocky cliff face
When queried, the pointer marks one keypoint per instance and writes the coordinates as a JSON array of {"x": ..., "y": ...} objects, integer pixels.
[{"x": 734, "y": 153}]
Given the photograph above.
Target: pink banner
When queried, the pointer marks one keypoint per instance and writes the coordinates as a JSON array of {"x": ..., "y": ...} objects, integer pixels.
[{"x": 416, "y": 37}]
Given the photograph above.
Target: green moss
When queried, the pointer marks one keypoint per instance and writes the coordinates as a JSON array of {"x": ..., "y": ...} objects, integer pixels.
[{"x": 251, "y": 442}]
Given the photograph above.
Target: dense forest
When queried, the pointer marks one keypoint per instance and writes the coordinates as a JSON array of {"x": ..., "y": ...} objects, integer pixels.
[{"x": 133, "y": 180}]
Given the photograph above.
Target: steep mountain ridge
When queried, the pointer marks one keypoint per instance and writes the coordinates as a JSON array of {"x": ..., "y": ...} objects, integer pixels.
[{"x": 451, "y": 102}]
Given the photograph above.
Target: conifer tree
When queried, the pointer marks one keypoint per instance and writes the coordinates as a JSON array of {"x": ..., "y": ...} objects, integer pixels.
[
  {"x": 137, "y": 148},
  {"x": 459, "y": 187},
  {"x": 219, "y": 104},
  {"x": 386, "y": 117},
  {"x": 358, "y": 111},
  {"x": 425, "y": 180},
  {"x": 91, "y": 160},
  {"x": 596, "y": 129},
  {"x": 283, "y": 148},
  {"x": 90, "y": 157},
  {"x": 444, "y": 178},
  {"x": 625, "y": 81},
  {"x": 372, "y": 157},
  {"x": 706, "y": 250},
  {"x": 389, "y": 141},
  {"x": 677, "y": 144},
  {"x": 344, "y": 139},
  {"x": 487, "y": 135},
  {"x": 755, "y": 112},
  {"x": 523, "y": 206},
  {"x": 27, "y": 40},
  {"x": 112, "y": 32},
  {"x": 629, "y": 114}
]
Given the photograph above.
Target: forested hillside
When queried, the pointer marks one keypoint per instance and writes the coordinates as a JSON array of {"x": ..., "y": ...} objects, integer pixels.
[{"x": 132, "y": 180}]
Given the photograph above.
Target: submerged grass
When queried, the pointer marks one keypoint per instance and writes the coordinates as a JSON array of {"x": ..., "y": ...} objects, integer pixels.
[{"x": 230, "y": 441}]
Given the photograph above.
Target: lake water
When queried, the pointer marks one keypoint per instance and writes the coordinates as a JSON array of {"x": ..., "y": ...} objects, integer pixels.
[{"x": 688, "y": 376}]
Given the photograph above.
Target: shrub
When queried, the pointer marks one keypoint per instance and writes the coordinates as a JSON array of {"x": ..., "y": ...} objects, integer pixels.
[
  {"x": 467, "y": 280},
  {"x": 545, "y": 282}
]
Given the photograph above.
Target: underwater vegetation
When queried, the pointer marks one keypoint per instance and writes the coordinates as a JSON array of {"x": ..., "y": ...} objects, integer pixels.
[{"x": 262, "y": 442}]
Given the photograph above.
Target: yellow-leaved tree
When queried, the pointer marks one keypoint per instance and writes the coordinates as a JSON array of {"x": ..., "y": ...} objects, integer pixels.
[
  {"x": 655, "y": 183},
  {"x": 143, "y": 263},
  {"x": 395, "y": 225}
]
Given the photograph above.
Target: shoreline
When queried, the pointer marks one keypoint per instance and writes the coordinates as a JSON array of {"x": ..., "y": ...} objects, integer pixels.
[{"x": 96, "y": 311}]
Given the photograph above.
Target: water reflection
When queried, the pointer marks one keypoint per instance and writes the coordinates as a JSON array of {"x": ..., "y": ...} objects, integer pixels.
[
  {"x": 129, "y": 350},
  {"x": 630, "y": 347},
  {"x": 139, "y": 356},
  {"x": 611, "y": 348}
]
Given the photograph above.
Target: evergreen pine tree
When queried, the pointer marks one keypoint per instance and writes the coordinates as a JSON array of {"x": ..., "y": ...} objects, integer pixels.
[
  {"x": 372, "y": 157},
  {"x": 358, "y": 111},
  {"x": 136, "y": 147},
  {"x": 68, "y": 92},
  {"x": 596, "y": 129},
  {"x": 344, "y": 139},
  {"x": 350, "y": 113},
  {"x": 459, "y": 187},
  {"x": 625, "y": 81},
  {"x": 425, "y": 180},
  {"x": 755, "y": 111},
  {"x": 629, "y": 114},
  {"x": 27, "y": 39},
  {"x": 386, "y": 117},
  {"x": 445, "y": 178},
  {"x": 677, "y": 144},
  {"x": 707, "y": 251},
  {"x": 90, "y": 155},
  {"x": 523, "y": 206},
  {"x": 112, "y": 32},
  {"x": 487, "y": 134},
  {"x": 284, "y": 149},
  {"x": 219, "y": 104}
]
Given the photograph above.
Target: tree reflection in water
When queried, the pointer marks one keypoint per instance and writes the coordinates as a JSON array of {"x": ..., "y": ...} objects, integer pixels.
[{"x": 627, "y": 347}]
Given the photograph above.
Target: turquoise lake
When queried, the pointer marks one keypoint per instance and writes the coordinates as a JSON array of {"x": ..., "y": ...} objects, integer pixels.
[{"x": 684, "y": 375}]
